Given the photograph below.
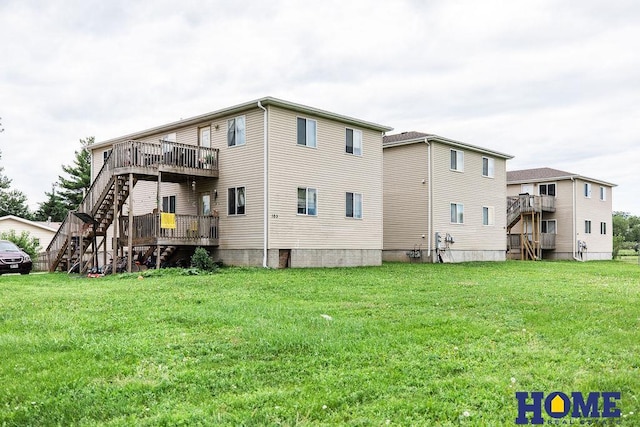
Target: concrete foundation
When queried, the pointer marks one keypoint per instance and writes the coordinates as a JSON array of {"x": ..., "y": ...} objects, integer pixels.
[
  {"x": 409, "y": 255},
  {"x": 300, "y": 258}
]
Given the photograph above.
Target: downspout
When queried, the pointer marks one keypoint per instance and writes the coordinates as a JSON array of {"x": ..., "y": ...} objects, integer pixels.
[
  {"x": 429, "y": 198},
  {"x": 266, "y": 190},
  {"x": 573, "y": 208}
]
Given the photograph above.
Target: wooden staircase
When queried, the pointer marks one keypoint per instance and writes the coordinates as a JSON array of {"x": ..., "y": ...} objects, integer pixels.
[
  {"x": 65, "y": 249},
  {"x": 527, "y": 210}
]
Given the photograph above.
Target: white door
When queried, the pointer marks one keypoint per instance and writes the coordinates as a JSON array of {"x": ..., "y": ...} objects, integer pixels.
[{"x": 526, "y": 188}]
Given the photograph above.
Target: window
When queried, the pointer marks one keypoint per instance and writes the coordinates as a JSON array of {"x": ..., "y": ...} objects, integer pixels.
[
  {"x": 236, "y": 131},
  {"x": 307, "y": 132},
  {"x": 169, "y": 204},
  {"x": 354, "y": 205},
  {"x": 587, "y": 190},
  {"x": 205, "y": 204},
  {"x": 548, "y": 226},
  {"x": 307, "y": 201},
  {"x": 236, "y": 201},
  {"x": 487, "y": 167},
  {"x": 547, "y": 189},
  {"x": 603, "y": 228},
  {"x": 603, "y": 195},
  {"x": 457, "y": 213},
  {"x": 587, "y": 227},
  {"x": 488, "y": 215},
  {"x": 354, "y": 142},
  {"x": 457, "y": 160},
  {"x": 105, "y": 156}
]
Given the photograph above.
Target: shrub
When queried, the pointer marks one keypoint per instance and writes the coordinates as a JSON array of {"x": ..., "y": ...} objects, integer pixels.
[
  {"x": 202, "y": 261},
  {"x": 28, "y": 244}
]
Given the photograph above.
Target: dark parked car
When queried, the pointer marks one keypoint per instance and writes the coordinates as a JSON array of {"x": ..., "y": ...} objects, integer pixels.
[{"x": 13, "y": 259}]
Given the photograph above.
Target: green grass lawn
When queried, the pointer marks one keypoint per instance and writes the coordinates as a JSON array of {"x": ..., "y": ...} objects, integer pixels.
[{"x": 399, "y": 344}]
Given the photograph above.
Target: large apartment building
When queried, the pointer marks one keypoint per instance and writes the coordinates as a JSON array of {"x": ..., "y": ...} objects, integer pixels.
[
  {"x": 265, "y": 183},
  {"x": 553, "y": 214},
  {"x": 444, "y": 200}
]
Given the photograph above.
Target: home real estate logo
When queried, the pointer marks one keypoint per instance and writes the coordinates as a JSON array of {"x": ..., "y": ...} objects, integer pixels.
[{"x": 559, "y": 406}]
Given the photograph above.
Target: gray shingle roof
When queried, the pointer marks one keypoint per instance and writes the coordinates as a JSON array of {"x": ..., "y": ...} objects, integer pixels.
[
  {"x": 404, "y": 136},
  {"x": 537, "y": 174},
  {"x": 546, "y": 174}
]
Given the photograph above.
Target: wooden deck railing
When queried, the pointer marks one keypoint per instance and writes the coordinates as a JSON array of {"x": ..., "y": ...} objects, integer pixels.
[
  {"x": 547, "y": 240},
  {"x": 164, "y": 153},
  {"x": 525, "y": 203},
  {"x": 146, "y": 228}
]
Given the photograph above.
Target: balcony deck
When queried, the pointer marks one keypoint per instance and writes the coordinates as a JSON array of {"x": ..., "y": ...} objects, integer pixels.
[
  {"x": 147, "y": 160},
  {"x": 180, "y": 230}
]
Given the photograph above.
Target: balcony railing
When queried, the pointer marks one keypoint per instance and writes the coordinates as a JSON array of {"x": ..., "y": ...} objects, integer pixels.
[
  {"x": 186, "y": 229},
  {"x": 165, "y": 153},
  {"x": 547, "y": 240}
]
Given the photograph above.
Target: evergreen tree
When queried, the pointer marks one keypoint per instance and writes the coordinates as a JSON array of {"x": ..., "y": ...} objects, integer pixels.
[
  {"x": 53, "y": 208},
  {"x": 75, "y": 186},
  {"x": 14, "y": 202}
]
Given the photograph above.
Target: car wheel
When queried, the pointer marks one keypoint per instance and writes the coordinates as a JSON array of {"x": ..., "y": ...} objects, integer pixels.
[{"x": 24, "y": 272}]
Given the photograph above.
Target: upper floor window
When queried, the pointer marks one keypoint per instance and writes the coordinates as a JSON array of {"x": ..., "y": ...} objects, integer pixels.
[
  {"x": 457, "y": 160},
  {"x": 547, "y": 189},
  {"x": 236, "y": 201},
  {"x": 457, "y": 213},
  {"x": 587, "y": 227},
  {"x": 307, "y": 132},
  {"x": 603, "y": 194},
  {"x": 488, "y": 167},
  {"x": 354, "y": 142},
  {"x": 307, "y": 201},
  {"x": 587, "y": 190},
  {"x": 603, "y": 228},
  {"x": 548, "y": 226},
  {"x": 488, "y": 215},
  {"x": 236, "y": 131},
  {"x": 169, "y": 204},
  {"x": 354, "y": 205},
  {"x": 105, "y": 156}
]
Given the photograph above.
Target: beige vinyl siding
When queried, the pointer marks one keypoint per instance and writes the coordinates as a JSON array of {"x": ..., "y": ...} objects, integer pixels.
[
  {"x": 240, "y": 166},
  {"x": 472, "y": 190},
  {"x": 596, "y": 211},
  {"x": 43, "y": 235},
  {"x": 406, "y": 204},
  {"x": 332, "y": 172}
]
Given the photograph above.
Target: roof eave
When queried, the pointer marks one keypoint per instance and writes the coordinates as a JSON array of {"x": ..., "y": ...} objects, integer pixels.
[{"x": 240, "y": 108}]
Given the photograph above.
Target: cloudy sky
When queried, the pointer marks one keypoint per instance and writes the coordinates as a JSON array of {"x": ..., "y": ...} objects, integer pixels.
[{"x": 555, "y": 83}]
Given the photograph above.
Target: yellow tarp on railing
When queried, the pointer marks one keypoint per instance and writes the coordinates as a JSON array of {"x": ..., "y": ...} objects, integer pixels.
[{"x": 168, "y": 220}]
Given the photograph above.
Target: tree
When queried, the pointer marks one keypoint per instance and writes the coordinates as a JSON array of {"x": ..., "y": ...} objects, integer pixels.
[
  {"x": 75, "y": 186},
  {"x": 14, "y": 202},
  {"x": 29, "y": 244},
  {"x": 53, "y": 208}
]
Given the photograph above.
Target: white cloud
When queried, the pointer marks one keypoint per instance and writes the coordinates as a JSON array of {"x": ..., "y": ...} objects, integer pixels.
[{"x": 553, "y": 83}]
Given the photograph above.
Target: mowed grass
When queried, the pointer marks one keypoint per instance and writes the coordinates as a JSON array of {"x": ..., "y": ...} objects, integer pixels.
[{"x": 393, "y": 345}]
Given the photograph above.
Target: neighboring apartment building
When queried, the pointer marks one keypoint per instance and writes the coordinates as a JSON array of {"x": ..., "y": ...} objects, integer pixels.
[
  {"x": 444, "y": 200},
  {"x": 554, "y": 214},
  {"x": 42, "y": 231},
  {"x": 267, "y": 182}
]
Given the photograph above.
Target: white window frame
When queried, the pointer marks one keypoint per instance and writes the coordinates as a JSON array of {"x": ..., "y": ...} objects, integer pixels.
[
  {"x": 356, "y": 141},
  {"x": 459, "y": 162},
  {"x": 603, "y": 228},
  {"x": 237, "y": 205},
  {"x": 310, "y": 192},
  {"x": 546, "y": 186},
  {"x": 308, "y": 128},
  {"x": 545, "y": 224},
  {"x": 603, "y": 193},
  {"x": 491, "y": 166},
  {"x": 587, "y": 190},
  {"x": 459, "y": 213},
  {"x": 490, "y": 216},
  {"x": 587, "y": 226},
  {"x": 239, "y": 124},
  {"x": 356, "y": 205}
]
